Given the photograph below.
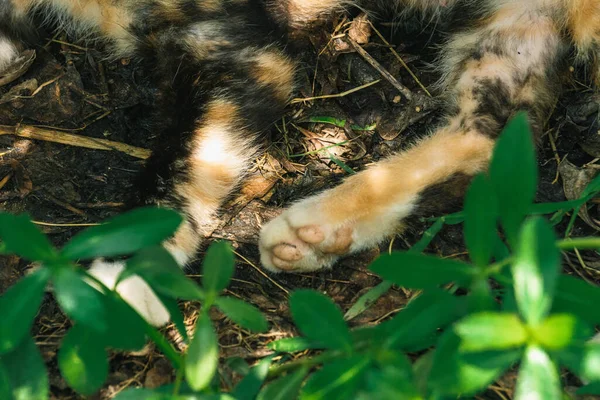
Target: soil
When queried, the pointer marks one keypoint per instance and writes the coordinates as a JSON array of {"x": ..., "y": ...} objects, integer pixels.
[{"x": 72, "y": 88}]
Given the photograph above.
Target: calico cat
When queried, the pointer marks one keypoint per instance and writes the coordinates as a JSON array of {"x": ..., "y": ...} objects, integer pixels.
[{"x": 225, "y": 78}]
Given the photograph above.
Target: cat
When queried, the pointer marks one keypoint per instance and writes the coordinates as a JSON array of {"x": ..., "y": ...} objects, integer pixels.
[{"x": 225, "y": 78}]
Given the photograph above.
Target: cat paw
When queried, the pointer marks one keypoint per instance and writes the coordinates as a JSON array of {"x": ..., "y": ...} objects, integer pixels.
[
  {"x": 303, "y": 239},
  {"x": 134, "y": 290},
  {"x": 13, "y": 62}
]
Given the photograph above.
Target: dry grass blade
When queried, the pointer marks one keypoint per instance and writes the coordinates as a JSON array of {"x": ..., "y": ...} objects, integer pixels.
[{"x": 49, "y": 135}]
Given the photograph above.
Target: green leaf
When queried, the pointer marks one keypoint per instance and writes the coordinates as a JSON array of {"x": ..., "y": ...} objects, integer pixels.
[
  {"x": 19, "y": 306},
  {"x": 513, "y": 174},
  {"x": 5, "y": 388},
  {"x": 574, "y": 296},
  {"x": 592, "y": 189},
  {"x": 538, "y": 377},
  {"x": 124, "y": 234},
  {"x": 122, "y": 318},
  {"x": 217, "y": 268},
  {"x": 26, "y": 372},
  {"x": 490, "y": 331},
  {"x": 336, "y": 380},
  {"x": 480, "y": 220},
  {"x": 243, "y": 314},
  {"x": 175, "y": 314},
  {"x": 583, "y": 360},
  {"x": 454, "y": 373},
  {"x": 202, "y": 356},
  {"x": 82, "y": 360},
  {"x": 318, "y": 318},
  {"x": 418, "y": 271},
  {"x": 421, "y": 319},
  {"x": 79, "y": 300},
  {"x": 284, "y": 388},
  {"x": 248, "y": 387},
  {"x": 535, "y": 270},
  {"x": 294, "y": 344},
  {"x": 561, "y": 330},
  {"x": 159, "y": 269},
  {"x": 591, "y": 389},
  {"x": 367, "y": 300},
  {"x": 393, "y": 380},
  {"x": 20, "y": 236}
]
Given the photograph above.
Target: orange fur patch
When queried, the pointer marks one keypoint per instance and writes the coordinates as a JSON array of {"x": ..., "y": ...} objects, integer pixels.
[{"x": 275, "y": 70}]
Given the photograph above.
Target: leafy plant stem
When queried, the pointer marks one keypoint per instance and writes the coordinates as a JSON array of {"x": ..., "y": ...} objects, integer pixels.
[
  {"x": 583, "y": 243},
  {"x": 178, "y": 380},
  {"x": 304, "y": 362},
  {"x": 495, "y": 268}
]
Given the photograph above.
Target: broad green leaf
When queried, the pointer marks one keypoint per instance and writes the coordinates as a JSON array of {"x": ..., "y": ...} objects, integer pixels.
[
  {"x": 244, "y": 314},
  {"x": 248, "y": 387},
  {"x": 367, "y": 300},
  {"x": 574, "y": 296},
  {"x": 513, "y": 174},
  {"x": 490, "y": 331},
  {"x": 284, "y": 388},
  {"x": 19, "y": 306},
  {"x": 535, "y": 270},
  {"x": 455, "y": 373},
  {"x": 202, "y": 357},
  {"x": 5, "y": 388},
  {"x": 549, "y": 208},
  {"x": 20, "y": 236},
  {"x": 481, "y": 297},
  {"x": 124, "y": 234},
  {"x": 392, "y": 380},
  {"x": 79, "y": 300},
  {"x": 591, "y": 389},
  {"x": 561, "y": 330},
  {"x": 591, "y": 189},
  {"x": 26, "y": 372},
  {"x": 294, "y": 344},
  {"x": 420, "y": 320},
  {"x": 583, "y": 360},
  {"x": 82, "y": 360},
  {"x": 480, "y": 220},
  {"x": 217, "y": 268},
  {"x": 418, "y": 271},
  {"x": 122, "y": 318},
  {"x": 336, "y": 380},
  {"x": 160, "y": 270},
  {"x": 538, "y": 377},
  {"x": 318, "y": 318},
  {"x": 157, "y": 394}
]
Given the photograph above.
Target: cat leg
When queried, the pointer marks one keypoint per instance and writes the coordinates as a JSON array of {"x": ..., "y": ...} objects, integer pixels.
[
  {"x": 508, "y": 63},
  {"x": 583, "y": 22}
]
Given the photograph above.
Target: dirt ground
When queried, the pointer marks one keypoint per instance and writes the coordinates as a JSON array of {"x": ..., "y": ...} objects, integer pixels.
[{"x": 71, "y": 89}]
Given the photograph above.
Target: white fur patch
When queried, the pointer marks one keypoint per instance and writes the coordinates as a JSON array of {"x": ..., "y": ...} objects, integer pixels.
[
  {"x": 134, "y": 290},
  {"x": 8, "y": 52}
]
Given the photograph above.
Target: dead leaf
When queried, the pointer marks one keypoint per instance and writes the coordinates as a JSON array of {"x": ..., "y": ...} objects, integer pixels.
[{"x": 575, "y": 180}]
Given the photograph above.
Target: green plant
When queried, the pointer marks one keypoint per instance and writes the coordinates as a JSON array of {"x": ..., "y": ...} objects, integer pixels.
[{"x": 515, "y": 307}]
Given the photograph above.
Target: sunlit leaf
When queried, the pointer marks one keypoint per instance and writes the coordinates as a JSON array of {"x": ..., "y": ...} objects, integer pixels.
[
  {"x": 124, "y": 234},
  {"x": 538, "y": 377},
  {"x": 318, "y": 318},
  {"x": 19, "y": 306},
  {"x": 490, "y": 331},
  {"x": 535, "y": 270},
  {"x": 82, "y": 360},
  {"x": 202, "y": 356},
  {"x": 294, "y": 344},
  {"x": 561, "y": 330},
  {"x": 26, "y": 372},
  {"x": 583, "y": 359}
]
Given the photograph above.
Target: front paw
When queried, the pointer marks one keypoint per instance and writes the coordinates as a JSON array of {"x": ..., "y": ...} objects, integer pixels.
[
  {"x": 134, "y": 290},
  {"x": 304, "y": 238}
]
